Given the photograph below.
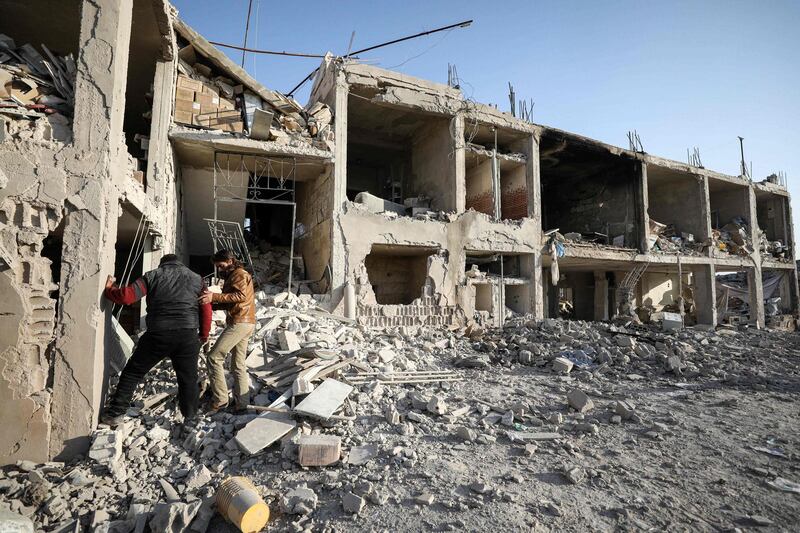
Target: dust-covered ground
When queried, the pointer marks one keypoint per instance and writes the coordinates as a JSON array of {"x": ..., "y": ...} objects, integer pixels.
[
  {"x": 687, "y": 431},
  {"x": 697, "y": 455}
]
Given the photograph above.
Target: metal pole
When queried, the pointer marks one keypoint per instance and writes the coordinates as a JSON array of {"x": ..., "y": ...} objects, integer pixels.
[
  {"x": 495, "y": 179},
  {"x": 246, "y": 30},
  {"x": 213, "y": 240},
  {"x": 741, "y": 148},
  {"x": 502, "y": 293},
  {"x": 291, "y": 248},
  {"x": 680, "y": 290},
  {"x": 463, "y": 24}
]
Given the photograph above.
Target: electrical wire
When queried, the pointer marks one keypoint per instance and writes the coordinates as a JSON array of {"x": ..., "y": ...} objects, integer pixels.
[{"x": 431, "y": 47}]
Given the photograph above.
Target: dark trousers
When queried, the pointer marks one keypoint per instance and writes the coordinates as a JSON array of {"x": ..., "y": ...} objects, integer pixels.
[{"x": 182, "y": 346}]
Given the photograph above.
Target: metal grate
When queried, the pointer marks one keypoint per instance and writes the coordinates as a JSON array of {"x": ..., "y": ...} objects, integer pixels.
[
  {"x": 229, "y": 236},
  {"x": 255, "y": 179}
]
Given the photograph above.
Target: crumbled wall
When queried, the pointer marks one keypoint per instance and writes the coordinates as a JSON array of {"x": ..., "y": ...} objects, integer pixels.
[
  {"x": 479, "y": 188},
  {"x": 361, "y": 229},
  {"x": 513, "y": 194},
  {"x": 679, "y": 202},
  {"x": 313, "y": 211},
  {"x": 601, "y": 203},
  {"x": 53, "y": 371}
]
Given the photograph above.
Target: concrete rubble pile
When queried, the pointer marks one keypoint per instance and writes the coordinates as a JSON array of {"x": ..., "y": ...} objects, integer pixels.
[
  {"x": 607, "y": 350},
  {"x": 172, "y": 474},
  {"x": 733, "y": 237},
  {"x": 392, "y": 419},
  {"x": 207, "y": 99},
  {"x": 36, "y": 89},
  {"x": 271, "y": 269},
  {"x": 666, "y": 238},
  {"x": 774, "y": 249},
  {"x": 418, "y": 208},
  {"x": 587, "y": 239}
]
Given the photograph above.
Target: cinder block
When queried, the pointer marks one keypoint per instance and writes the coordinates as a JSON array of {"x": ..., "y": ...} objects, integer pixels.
[{"x": 319, "y": 450}]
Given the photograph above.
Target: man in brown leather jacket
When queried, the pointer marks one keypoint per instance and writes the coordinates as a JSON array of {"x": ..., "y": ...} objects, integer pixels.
[{"x": 238, "y": 300}]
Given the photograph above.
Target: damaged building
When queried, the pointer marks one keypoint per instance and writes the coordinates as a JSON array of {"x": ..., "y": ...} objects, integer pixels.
[{"x": 395, "y": 201}]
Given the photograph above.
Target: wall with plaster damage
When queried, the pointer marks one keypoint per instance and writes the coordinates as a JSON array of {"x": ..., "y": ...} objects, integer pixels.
[
  {"x": 479, "y": 188},
  {"x": 60, "y": 198}
]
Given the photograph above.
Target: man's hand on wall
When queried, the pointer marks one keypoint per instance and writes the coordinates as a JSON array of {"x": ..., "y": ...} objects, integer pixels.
[{"x": 110, "y": 281}]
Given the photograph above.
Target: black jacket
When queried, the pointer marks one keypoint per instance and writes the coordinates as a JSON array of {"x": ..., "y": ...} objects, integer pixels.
[{"x": 172, "y": 292}]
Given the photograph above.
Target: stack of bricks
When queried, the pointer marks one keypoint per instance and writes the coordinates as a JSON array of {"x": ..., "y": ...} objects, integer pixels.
[
  {"x": 200, "y": 104},
  {"x": 426, "y": 313},
  {"x": 514, "y": 203},
  {"x": 483, "y": 203}
]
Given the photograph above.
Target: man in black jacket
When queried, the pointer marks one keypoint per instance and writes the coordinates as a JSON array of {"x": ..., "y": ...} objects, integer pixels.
[{"x": 173, "y": 319}]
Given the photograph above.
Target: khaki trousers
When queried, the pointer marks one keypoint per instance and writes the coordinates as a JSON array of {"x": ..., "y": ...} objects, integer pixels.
[{"x": 233, "y": 340}]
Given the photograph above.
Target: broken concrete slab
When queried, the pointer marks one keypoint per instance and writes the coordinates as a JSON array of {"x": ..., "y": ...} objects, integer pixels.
[
  {"x": 324, "y": 400},
  {"x": 525, "y": 436},
  {"x": 15, "y": 523},
  {"x": 262, "y": 120},
  {"x": 263, "y": 431},
  {"x": 288, "y": 341},
  {"x": 360, "y": 455}
]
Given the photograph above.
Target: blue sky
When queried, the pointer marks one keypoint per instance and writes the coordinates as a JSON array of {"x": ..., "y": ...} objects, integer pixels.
[{"x": 682, "y": 73}]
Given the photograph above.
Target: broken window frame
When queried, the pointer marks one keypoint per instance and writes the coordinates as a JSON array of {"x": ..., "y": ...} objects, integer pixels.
[{"x": 272, "y": 182}]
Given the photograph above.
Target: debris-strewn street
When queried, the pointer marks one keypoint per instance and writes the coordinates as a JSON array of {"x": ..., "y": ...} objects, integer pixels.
[{"x": 555, "y": 425}]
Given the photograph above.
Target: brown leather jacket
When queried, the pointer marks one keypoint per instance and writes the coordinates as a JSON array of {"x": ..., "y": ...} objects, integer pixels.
[{"x": 237, "y": 298}]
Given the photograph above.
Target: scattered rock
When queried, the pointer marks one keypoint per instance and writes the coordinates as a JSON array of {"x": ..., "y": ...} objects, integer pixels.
[
  {"x": 437, "y": 406},
  {"x": 562, "y": 365},
  {"x": 579, "y": 401},
  {"x": 352, "y": 503},
  {"x": 301, "y": 500},
  {"x": 466, "y": 434},
  {"x": 426, "y": 498},
  {"x": 624, "y": 409}
]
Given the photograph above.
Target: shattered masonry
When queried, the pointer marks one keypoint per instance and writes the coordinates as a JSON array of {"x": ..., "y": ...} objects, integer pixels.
[{"x": 414, "y": 205}]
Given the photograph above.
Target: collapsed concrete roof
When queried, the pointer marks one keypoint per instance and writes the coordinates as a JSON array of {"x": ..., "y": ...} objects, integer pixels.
[{"x": 222, "y": 61}]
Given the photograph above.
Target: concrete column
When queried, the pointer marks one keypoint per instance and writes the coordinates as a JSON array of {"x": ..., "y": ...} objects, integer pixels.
[
  {"x": 459, "y": 163},
  {"x": 756, "y": 289},
  {"x": 533, "y": 181},
  {"x": 533, "y": 186},
  {"x": 88, "y": 253},
  {"x": 338, "y": 189},
  {"x": 600, "y": 296},
  {"x": 754, "y": 282},
  {"x": 160, "y": 168},
  {"x": 706, "y": 207},
  {"x": 642, "y": 205},
  {"x": 705, "y": 294},
  {"x": 794, "y": 287}
]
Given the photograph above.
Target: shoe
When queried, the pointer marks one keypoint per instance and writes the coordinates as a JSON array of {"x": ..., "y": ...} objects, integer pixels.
[
  {"x": 112, "y": 421},
  {"x": 239, "y": 409},
  {"x": 216, "y": 408},
  {"x": 189, "y": 425}
]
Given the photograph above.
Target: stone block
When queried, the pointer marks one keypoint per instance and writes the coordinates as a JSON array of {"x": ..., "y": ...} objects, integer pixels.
[
  {"x": 562, "y": 365},
  {"x": 579, "y": 401},
  {"x": 319, "y": 450}
]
